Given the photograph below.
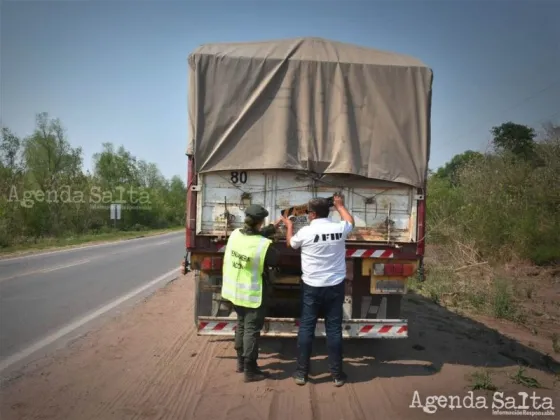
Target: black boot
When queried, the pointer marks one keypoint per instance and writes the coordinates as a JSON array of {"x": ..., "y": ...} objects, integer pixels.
[
  {"x": 240, "y": 364},
  {"x": 253, "y": 373}
]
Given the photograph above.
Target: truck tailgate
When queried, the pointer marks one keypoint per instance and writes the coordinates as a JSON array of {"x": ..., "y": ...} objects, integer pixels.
[{"x": 384, "y": 212}]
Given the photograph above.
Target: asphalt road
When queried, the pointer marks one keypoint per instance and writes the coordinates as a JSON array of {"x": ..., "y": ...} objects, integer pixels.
[{"x": 44, "y": 297}]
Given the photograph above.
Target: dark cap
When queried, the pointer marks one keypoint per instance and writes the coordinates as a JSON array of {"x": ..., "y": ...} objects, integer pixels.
[{"x": 256, "y": 211}]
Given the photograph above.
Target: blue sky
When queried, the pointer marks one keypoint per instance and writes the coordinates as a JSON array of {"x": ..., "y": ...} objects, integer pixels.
[{"x": 116, "y": 71}]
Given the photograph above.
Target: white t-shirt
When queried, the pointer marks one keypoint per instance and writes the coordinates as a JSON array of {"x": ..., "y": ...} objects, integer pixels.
[{"x": 323, "y": 251}]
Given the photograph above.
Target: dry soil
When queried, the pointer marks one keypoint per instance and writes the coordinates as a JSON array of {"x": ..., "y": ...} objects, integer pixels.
[{"x": 150, "y": 364}]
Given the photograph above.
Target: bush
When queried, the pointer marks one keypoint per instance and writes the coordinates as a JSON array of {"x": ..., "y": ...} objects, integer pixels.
[
  {"x": 487, "y": 210},
  {"x": 138, "y": 227},
  {"x": 46, "y": 161},
  {"x": 507, "y": 208}
]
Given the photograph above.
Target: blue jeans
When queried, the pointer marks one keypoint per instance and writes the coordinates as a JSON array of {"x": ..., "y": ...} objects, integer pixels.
[{"x": 327, "y": 300}]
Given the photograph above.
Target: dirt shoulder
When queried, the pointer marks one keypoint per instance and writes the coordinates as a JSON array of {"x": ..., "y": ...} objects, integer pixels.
[{"x": 149, "y": 363}]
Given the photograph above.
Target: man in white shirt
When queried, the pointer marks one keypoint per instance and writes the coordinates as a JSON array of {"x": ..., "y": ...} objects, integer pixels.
[{"x": 323, "y": 264}]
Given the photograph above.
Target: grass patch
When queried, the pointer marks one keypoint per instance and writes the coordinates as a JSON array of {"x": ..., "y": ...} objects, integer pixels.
[
  {"x": 475, "y": 292},
  {"x": 455, "y": 277},
  {"x": 42, "y": 244},
  {"x": 437, "y": 286},
  {"x": 521, "y": 378},
  {"x": 503, "y": 304},
  {"x": 481, "y": 380}
]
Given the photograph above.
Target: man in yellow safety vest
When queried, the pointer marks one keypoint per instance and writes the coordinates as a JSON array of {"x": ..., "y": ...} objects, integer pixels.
[{"x": 246, "y": 284}]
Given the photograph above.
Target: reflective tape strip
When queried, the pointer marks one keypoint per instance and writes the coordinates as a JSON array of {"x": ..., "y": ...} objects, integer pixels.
[
  {"x": 380, "y": 330},
  {"x": 253, "y": 287},
  {"x": 257, "y": 262},
  {"x": 357, "y": 253},
  {"x": 219, "y": 327},
  {"x": 236, "y": 290},
  {"x": 277, "y": 328},
  {"x": 369, "y": 253}
]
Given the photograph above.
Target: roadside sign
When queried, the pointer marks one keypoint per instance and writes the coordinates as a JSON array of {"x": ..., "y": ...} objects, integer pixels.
[{"x": 115, "y": 211}]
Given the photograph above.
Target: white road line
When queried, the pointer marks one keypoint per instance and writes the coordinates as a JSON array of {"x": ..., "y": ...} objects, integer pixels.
[
  {"x": 45, "y": 270},
  {"x": 78, "y": 248},
  {"x": 130, "y": 249},
  {"x": 113, "y": 253},
  {"x": 161, "y": 243},
  {"x": 9, "y": 361},
  {"x": 59, "y": 267}
]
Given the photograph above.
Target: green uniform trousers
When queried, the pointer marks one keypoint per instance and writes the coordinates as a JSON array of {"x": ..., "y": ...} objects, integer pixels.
[{"x": 250, "y": 322}]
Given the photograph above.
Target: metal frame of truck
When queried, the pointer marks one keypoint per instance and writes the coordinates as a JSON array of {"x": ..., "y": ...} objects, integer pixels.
[{"x": 376, "y": 280}]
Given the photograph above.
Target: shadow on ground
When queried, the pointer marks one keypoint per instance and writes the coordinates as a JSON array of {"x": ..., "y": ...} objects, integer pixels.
[{"x": 437, "y": 337}]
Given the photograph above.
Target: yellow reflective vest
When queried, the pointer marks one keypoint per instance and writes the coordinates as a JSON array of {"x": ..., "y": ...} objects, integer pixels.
[{"x": 242, "y": 282}]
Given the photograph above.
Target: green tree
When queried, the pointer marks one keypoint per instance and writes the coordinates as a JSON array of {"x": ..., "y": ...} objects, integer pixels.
[
  {"x": 149, "y": 175},
  {"x": 176, "y": 200},
  {"x": 516, "y": 139},
  {"x": 41, "y": 179},
  {"x": 11, "y": 164},
  {"x": 503, "y": 206},
  {"x": 51, "y": 166},
  {"x": 11, "y": 175},
  {"x": 115, "y": 167},
  {"x": 450, "y": 171}
]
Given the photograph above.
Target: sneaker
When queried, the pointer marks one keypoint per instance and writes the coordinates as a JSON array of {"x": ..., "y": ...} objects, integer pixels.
[
  {"x": 300, "y": 379},
  {"x": 340, "y": 380}
]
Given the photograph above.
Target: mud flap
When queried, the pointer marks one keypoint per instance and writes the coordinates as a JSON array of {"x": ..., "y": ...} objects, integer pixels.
[{"x": 208, "y": 301}]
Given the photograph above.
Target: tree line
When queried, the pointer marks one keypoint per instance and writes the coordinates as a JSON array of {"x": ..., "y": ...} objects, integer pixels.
[
  {"x": 504, "y": 204},
  {"x": 45, "y": 192}
]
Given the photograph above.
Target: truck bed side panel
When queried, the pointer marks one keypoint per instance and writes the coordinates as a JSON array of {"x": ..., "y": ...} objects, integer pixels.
[{"x": 383, "y": 212}]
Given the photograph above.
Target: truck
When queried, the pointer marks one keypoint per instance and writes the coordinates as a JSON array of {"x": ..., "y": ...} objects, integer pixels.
[{"x": 279, "y": 122}]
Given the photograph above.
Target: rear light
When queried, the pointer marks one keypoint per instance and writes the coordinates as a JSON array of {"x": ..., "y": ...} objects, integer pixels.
[
  {"x": 401, "y": 270},
  {"x": 211, "y": 263},
  {"x": 408, "y": 270}
]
